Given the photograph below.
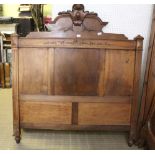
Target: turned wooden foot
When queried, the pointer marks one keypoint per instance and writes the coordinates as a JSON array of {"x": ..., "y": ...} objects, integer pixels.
[
  {"x": 140, "y": 143},
  {"x": 130, "y": 142},
  {"x": 17, "y": 134},
  {"x": 17, "y": 139}
]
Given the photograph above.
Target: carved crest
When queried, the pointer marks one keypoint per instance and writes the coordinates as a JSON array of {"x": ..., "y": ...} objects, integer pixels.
[
  {"x": 78, "y": 23},
  {"x": 79, "y": 15}
]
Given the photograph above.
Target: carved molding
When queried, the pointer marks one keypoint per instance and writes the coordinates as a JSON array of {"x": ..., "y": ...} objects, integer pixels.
[{"x": 77, "y": 43}]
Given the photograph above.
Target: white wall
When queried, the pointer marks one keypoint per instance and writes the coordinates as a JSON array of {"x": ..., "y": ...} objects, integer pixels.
[{"x": 130, "y": 20}]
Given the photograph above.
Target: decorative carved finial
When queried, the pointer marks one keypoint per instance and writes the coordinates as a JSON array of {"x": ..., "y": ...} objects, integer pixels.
[
  {"x": 138, "y": 37},
  {"x": 78, "y": 7},
  {"x": 139, "y": 45},
  {"x": 78, "y": 14}
]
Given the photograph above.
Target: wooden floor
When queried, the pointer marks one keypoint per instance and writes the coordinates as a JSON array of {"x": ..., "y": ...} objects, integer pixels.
[{"x": 54, "y": 140}]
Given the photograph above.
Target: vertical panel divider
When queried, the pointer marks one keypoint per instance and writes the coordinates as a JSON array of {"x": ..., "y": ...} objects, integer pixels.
[
  {"x": 101, "y": 88},
  {"x": 75, "y": 113},
  {"x": 50, "y": 68}
]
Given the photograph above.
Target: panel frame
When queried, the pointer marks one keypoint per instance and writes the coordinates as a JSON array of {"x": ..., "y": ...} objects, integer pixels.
[{"x": 40, "y": 83}]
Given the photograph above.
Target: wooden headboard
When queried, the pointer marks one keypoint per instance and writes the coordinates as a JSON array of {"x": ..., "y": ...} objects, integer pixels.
[{"x": 76, "y": 76}]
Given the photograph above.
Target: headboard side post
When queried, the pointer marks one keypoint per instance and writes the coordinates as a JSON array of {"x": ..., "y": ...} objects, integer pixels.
[
  {"x": 15, "y": 87},
  {"x": 136, "y": 89}
]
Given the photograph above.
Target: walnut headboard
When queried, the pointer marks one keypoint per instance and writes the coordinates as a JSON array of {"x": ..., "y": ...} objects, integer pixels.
[{"x": 76, "y": 76}]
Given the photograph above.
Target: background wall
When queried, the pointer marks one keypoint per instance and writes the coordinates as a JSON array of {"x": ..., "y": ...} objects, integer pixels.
[
  {"x": 130, "y": 20},
  {"x": 47, "y": 10},
  {"x": 11, "y": 10}
]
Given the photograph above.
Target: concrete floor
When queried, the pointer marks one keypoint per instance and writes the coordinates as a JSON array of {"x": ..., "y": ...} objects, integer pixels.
[{"x": 55, "y": 140}]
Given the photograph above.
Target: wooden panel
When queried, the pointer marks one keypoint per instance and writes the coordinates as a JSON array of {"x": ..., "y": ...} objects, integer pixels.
[
  {"x": 76, "y": 71},
  {"x": 33, "y": 67},
  {"x": 119, "y": 72},
  {"x": 104, "y": 114},
  {"x": 45, "y": 112}
]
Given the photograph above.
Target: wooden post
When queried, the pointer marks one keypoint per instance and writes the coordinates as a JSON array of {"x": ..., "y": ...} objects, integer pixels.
[
  {"x": 136, "y": 90},
  {"x": 16, "y": 121}
]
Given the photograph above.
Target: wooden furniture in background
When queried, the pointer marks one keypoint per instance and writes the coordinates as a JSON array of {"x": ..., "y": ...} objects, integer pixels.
[
  {"x": 2, "y": 81},
  {"x": 76, "y": 77},
  {"x": 0, "y": 61},
  {"x": 7, "y": 64},
  {"x": 5, "y": 77},
  {"x": 5, "y": 30},
  {"x": 147, "y": 113}
]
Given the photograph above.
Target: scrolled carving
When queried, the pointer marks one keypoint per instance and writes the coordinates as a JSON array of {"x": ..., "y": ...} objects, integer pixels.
[{"x": 78, "y": 14}]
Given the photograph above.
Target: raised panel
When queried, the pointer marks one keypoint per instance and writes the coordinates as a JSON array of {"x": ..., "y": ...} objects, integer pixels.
[
  {"x": 33, "y": 70},
  {"x": 76, "y": 71},
  {"x": 119, "y": 72},
  {"x": 104, "y": 113},
  {"x": 45, "y": 112}
]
